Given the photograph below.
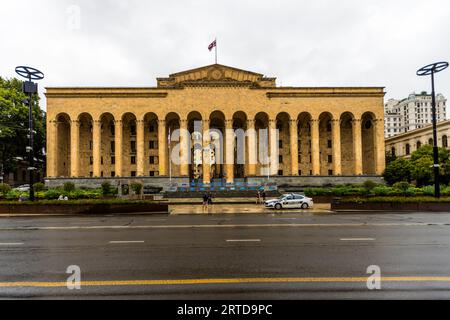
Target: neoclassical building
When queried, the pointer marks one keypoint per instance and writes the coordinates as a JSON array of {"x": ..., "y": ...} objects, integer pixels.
[
  {"x": 124, "y": 132},
  {"x": 403, "y": 145}
]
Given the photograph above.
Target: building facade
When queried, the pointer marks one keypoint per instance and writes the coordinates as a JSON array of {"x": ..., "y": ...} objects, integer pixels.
[
  {"x": 412, "y": 113},
  {"x": 404, "y": 144},
  {"x": 131, "y": 132}
]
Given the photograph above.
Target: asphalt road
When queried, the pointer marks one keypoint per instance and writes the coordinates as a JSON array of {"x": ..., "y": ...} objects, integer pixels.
[{"x": 273, "y": 256}]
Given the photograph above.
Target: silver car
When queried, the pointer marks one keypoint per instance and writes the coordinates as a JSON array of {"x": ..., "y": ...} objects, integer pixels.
[{"x": 290, "y": 201}]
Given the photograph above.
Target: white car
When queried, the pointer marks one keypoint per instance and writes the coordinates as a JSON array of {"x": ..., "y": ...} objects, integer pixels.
[
  {"x": 23, "y": 188},
  {"x": 290, "y": 201}
]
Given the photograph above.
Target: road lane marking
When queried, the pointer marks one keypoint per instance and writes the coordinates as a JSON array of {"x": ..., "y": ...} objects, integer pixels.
[
  {"x": 267, "y": 225},
  {"x": 244, "y": 240},
  {"x": 11, "y": 244},
  {"x": 113, "y": 242},
  {"x": 105, "y": 283},
  {"x": 357, "y": 239}
]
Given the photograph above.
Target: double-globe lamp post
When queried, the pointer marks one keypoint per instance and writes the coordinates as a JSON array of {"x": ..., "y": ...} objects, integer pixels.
[
  {"x": 29, "y": 87},
  {"x": 431, "y": 69}
]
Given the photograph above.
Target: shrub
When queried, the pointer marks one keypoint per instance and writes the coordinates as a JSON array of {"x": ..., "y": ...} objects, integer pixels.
[
  {"x": 4, "y": 188},
  {"x": 369, "y": 185},
  {"x": 136, "y": 187},
  {"x": 14, "y": 194},
  {"x": 69, "y": 186},
  {"x": 38, "y": 186},
  {"x": 381, "y": 190},
  {"x": 106, "y": 188},
  {"x": 402, "y": 186},
  {"x": 52, "y": 194}
]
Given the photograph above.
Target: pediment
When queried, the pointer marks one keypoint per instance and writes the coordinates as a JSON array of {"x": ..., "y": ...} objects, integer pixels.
[{"x": 216, "y": 75}]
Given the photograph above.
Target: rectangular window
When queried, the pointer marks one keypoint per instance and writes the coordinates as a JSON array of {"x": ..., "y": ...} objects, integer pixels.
[
  {"x": 280, "y": 144},
  {"x": 330, "y": 158},
  {"x": 90, "y": 145},
  {"x": 91, "y": 160},
  {"x": 329, "y": 144},
  {"x": 330, "y": 172},
  {"x": 91, "y": 174},
  {"x": 133, "y": 160},
  {"x": 299, "y": 172},
  {"x": 101, "y": 160},
  {"x": 280, "y": 172},
  {"x": 113, "y": 146},
  {"x": 152, "y": 173},
  {"x": 133, "y": 130},
  {"x": 280, "y": 159},
  {"x": 152, "y": 160},
  {"x": 133, "y": 173},
  {"x": 133, "y": 146},
  {"x": 153, "y": 144},
  {"x": 113, "y": 160},
  {"x": 113, "y": 173}
]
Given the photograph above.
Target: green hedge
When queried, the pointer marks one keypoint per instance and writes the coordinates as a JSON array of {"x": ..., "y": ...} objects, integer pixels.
[{"x": 395, "y": 199}]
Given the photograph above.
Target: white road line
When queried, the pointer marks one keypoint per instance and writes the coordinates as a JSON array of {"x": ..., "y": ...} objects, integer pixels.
[
  {"x": 244, "y": 240},
  {"x": 357, "y": 239},
  {"x": 115, "y": 242},
  {"x": 12, "y": 244},
  {"x": 270, "y": 225}
]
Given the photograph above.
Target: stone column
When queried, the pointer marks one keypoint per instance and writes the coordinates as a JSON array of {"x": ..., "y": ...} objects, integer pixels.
[
  {"x": 118, "y": 133},
  {"x": 140, "y": 145},
  {"x": 162, "y": 147},
  {"x": 206, "y": 160},
  {"x": 52, "y": 148},
  {"x": 251, "y": 148},
  {"x": 184, "y": 148},
  {"x": 229, "y": 150},
  {"x": 294, "y": 146},
  {"x": 357, "y": 146},
  {"x": 336, "y": 145},
  {"x": 96, "y": 147},
  {"x": 380, "y": 148},
  {"x": 75, "y": 148},
  {"x": 273, "y": 147},
  {"x": 315, "y": 148}
]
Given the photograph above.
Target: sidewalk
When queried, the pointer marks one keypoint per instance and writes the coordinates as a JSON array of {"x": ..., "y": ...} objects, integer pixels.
[{"x": 236, "y": 208}]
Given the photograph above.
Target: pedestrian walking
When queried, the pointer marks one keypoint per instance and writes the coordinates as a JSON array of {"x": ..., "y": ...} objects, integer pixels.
[
  {"x": 258, "y": 197},
  {"x": 205, "y": 201},
  {"x": 264, "y": 196}
]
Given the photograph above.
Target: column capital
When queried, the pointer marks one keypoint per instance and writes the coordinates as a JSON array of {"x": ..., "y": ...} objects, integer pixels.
[
  {"x": 293, "y": 121},
  {"x": 75, "y": 123},
  {"x": 229, "y": 123},
  {"x": 313, "y": 121},
  {"x": 251, "y": 122},
  {"x": 162, "y": 121},
  {"x": 206, "y": 121},
  {"x": 140, "y": 121},
  {"x": 183, "y": 122},
  {"x": 118, "y": 122}
]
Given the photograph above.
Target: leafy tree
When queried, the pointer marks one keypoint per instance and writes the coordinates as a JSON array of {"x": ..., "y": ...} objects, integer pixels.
[
  {"x": 422, "y": 162},
  {"x": 14, "y": 126},
  {"x": 397, "y": 171}
]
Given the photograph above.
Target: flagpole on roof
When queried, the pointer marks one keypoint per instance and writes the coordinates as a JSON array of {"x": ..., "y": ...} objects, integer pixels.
[{"x": 216, "y": 49}]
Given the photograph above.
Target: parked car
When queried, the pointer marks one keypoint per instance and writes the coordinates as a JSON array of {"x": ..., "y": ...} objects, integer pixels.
[
  {"x": 290, "y": 201},
  {"x": 23, "y": 188}
]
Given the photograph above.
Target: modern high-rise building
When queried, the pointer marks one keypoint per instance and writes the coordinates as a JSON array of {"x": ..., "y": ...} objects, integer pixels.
[{"x": 411, "y": 113}]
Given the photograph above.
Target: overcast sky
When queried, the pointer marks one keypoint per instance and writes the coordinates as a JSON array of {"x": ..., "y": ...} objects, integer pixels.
[{"x": 302, "y": 43}]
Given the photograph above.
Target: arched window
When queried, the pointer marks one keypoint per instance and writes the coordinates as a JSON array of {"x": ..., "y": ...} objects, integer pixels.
[
  {"x": 418, "y": 145},
  {"x": 408, "y": 149},
  {"x": 444, "y": 142},
  {"x": 430, "y": 141},
  {"x": 393, "y": 151}
]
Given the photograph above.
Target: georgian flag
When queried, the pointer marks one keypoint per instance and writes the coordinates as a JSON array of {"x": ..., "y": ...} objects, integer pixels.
[{"x": 212, "y": 45}]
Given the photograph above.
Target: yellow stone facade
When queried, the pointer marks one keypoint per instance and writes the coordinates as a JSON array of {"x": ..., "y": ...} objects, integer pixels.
[{"x": 123, "y": 132}]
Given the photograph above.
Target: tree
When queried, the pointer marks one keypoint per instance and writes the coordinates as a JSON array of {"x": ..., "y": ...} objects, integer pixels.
[
  {"x": 422, "y": 162},
  {"x": 14, "y": 126},
  {"x": 398, "y": 170}
]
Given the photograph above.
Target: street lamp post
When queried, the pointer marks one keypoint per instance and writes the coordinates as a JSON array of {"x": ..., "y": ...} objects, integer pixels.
[
  {"x": 30, "y": 88},
  {"x": 431, "y": 69}
]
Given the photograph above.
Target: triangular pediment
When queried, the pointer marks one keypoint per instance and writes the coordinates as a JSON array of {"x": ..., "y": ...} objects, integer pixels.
[{"x": 216, "y": 75}]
